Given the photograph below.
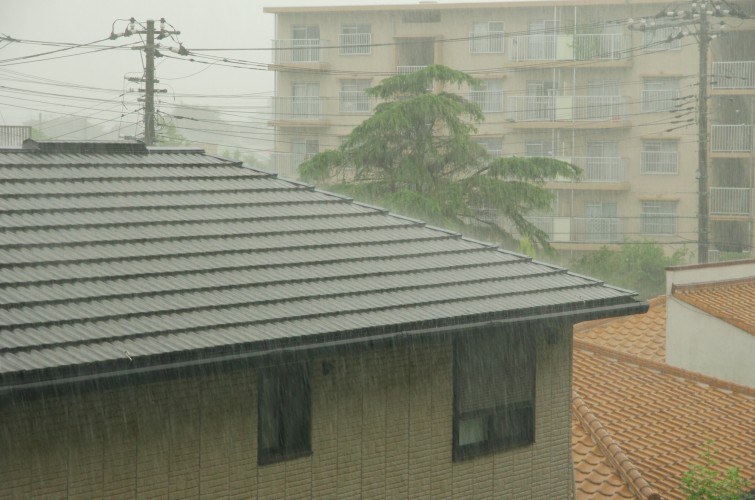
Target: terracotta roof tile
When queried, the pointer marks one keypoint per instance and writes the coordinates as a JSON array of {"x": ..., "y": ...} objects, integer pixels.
[
  {"x": 655, "y": 418},
  {"x": 643, "y": 335},
  {"x": 730, "y": 301}
]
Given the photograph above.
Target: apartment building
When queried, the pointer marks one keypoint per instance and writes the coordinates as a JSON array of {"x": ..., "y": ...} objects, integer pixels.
[{"x": 577, "y": 80}]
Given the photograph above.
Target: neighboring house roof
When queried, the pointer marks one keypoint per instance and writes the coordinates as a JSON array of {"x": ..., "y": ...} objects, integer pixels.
[
  {"x": 116, "y": 258},
  {"x": 729, "y": 301},
  {"x": 653, "y": 416}
]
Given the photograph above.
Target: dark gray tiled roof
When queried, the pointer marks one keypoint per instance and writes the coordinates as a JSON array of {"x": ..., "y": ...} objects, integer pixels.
[{"x": 107, "y": 257}]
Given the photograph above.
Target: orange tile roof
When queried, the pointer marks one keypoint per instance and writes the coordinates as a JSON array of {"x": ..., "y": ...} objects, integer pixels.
[
  {"x": 640, "y": 334},
  {"x": 730, "y": 301},
  {"x": 653, "y": 419}
]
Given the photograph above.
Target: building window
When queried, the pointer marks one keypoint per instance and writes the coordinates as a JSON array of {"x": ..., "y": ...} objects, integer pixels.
[
  {"x": 494, "y": 392},
  {"x": 306, "y": 102},
  {"x": 659, "y": 217},
  {"x": 662, "y": 37},
  {"x": 493, "y": 146},
  {"x": 660, "y": 94},
  {"x": 306, "y": 44},
  {"x": 421, "y": 16},
  {"x": 488, "y": 94},
  {"x": 352, "y": 98},
  {"x": 356, "y": 39},
  {"x": 486, "y": 37},
  {"x": 284, "y": 405},
  {"x": 659, "y": 157}
]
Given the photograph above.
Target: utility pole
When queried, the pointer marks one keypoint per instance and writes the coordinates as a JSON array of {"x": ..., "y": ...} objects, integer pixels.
[
  {"x": 150, "y": 51},
  {"x": 149, "y": 94},
  {"x": 702, "y": 142}
]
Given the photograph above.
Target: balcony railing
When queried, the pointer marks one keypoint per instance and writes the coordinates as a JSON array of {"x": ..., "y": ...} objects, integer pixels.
[
  {"x": 287, "y": 164},
  {"x": 403, "y": 70},
  {"x": 567, "y": 108},
  {"x": 732, "y": 138},
  {"x": 582, "y": 47},
  {"x": 654, "y": 101},
  {"x": 12, "y": 136},
  {"x": 489, "y": 102},
  {"x": 579, "y": 229},
  {"x": 298, "y": 108},
  {"x": 488, "y": 43},
  {"x": 730, "y": 201},
  {"x": 299, "y": 51},
  {"x": 354, "y": 101},
  {"x": 734, "y": 75},
  {"x": 603, "y": 169},
  {"x": 355, "y": 44}
]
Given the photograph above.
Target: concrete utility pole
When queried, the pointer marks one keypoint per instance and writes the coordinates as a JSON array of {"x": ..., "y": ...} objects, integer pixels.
[
  {"x": 150, "y": 51},
  {"x": 702, "y": 142}
]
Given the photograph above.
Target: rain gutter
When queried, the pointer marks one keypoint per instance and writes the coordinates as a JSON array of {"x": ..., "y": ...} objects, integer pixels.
[{"x": 387, "y": 339}]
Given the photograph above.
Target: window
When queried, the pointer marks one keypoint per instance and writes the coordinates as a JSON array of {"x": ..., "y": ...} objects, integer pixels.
[
  {"x": 659, "y": 157},
  {"x": 659, "y": 217},
  {"x": 486, "y": 37},
  {"x": 488, "y": 94},
  {"x": 356, "y": 39},
  {"x": 601, "y": 223},
  {"x": 352, "y": 98},
  {"x": 660, "y": 94},
  {"x": 493, "y": 145},
  {"x": 284, "y": 413},
  {"x": 660, "y": 37},
  {"x": 494, "y": 392},
  {"x": 306, "y": 44},
  {"x": 306, "y": 101},
  {"x": 303, "y": 149}
]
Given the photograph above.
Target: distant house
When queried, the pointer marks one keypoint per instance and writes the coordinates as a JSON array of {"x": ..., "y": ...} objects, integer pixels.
[
  {"x": 639, "y": 422},
  {"x": 711, "y": 319},
  {"x": 176, "y": 325}
]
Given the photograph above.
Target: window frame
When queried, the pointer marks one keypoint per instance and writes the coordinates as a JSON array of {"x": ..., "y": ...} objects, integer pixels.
[
  {"x": 489, "y": 101},
  {"x": 658, "y": 219},
  {"x": 354, "y": 106},
  {"x": 286, "y": 375},
  {"x": 650, "y": 146},
  {"x": 653, "y": 99},
  {"x": 494, "y": 417},
  {"x": 487, "y": 41},
  {"x": 348, "y": 48}
]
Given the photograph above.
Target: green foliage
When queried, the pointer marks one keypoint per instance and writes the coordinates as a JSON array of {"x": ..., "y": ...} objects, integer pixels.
[
  {"x": 38, "y": 135},
  {"x": 705, "y": 482},
  {"x": 638, "y": 266},
  {"x": 416, "y": 155},
  {"x": 169, "y": 135},
  {"x": 248, "y": 159}
]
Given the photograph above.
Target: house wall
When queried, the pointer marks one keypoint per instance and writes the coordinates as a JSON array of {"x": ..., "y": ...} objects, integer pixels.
[
  {"x": 699, "y": 342},
  {"x": 381, "y": 428}
]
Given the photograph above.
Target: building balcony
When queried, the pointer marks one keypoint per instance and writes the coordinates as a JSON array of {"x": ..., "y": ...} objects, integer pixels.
[
  {"x": 597, "y": 172},
  {"x": 300, "y": 111},
  {"x": 730, "y": 201},
  {"x": 733, "y": 76},
  {"x": 403, "y": 70},
  {"x": 579, "y": 229},
  {"x": 491, "y": 42},
  {"x": 354, "y": 101},
  {"x": 731, "y": 139},
  {"x": 299, "y": 51},
  {"x": 287, "y": 164},
  {"x": 489, "y": 102},
  {"x": 568, "y": 109},
  {"x": 569, "y": 47},
  {"x": 659, "y": 162}
]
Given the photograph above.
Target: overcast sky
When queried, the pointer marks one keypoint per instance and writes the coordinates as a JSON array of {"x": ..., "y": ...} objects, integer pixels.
[{"x": 205, "y": 24}]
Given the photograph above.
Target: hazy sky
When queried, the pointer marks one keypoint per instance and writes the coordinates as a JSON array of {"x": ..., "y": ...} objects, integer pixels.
[{"x": 205, "y": 24}]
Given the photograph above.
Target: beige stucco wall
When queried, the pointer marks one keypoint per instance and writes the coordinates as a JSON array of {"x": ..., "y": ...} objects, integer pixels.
[{"x": 381, "y": 428}]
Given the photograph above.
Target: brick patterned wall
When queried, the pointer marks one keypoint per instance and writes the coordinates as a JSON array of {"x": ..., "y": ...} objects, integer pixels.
[{"x": 381, "y": 428}]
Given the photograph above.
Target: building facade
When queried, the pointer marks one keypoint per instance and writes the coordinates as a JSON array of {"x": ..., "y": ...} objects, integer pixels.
[{"x": 563, "y": 79}]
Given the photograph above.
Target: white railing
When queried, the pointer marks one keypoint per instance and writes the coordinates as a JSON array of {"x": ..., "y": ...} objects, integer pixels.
[
  {"x": 730, "y": 201},
  {"x": 732, "y": 138},
  {"x": 13, "y": 136},
  {"x": 488, "y": 43},
  {"x": 567, "y": 108},
  {"x": 355, "y": 44},
  {"x": 654, "y": 101},
  {"x": 734, "y": 75},
  {"x": 659, "y": 162},
  {"x": 299, "y": 51},
  {"x": 489, "y": 102},
  {"x": 579, "y": 229},
  {"x": 354, "y": 101},
  {"x": 658, "y": 223},
  {"x": 404, "y": 70},
  {"x": 287, "y": 164},
  {"x": 298, "y": 108},
  {"x": 606, "y": 169},
  {"x": 582, "y": 47}
]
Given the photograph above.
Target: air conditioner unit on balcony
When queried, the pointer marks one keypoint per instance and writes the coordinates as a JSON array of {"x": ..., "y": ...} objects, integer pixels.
[{"x": 561, "y": 229}]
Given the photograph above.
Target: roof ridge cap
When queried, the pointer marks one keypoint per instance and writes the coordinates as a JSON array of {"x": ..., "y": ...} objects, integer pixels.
[
  {"x": 665, "y": 368},
  {"x": 612, "y": 451}
]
